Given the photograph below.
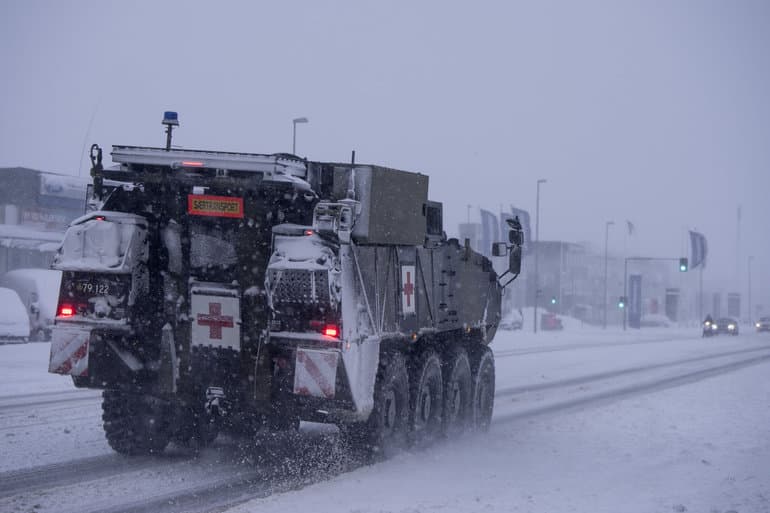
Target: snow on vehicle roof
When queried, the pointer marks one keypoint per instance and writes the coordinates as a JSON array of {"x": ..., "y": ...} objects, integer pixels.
[
  {"x": 101, "y": 240},
  {"x": 299, "y": 251},
  {"x": 45, "y": 282},
  {"x": 14, "y": 321}
]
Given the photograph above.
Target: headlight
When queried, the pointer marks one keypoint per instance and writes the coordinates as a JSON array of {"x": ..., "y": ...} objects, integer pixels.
[
  {"x": 714, "y": 326},
  {"x": 707, "y": 323},
  {"x": 757, "y": 325},
  {"x": 731, "y": 326}
]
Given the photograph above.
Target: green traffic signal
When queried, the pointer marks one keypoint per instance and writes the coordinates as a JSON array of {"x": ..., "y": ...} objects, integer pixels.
[
  {"x": 622, "y": 302},
  {"x": 553, "y": 300},
  {"x": 683, "y": 265}
]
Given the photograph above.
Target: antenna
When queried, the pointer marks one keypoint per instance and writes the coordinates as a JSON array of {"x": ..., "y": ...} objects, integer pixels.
[{"x": 352, "y": 180}]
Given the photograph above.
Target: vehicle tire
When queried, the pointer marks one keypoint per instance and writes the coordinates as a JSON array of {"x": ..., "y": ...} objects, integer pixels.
[
  {"x": 196, "y": 430},
  {"x": 134, "y": 424},
  {"x": 386, "y": 430},
  {"x": 425, "y": 398},
  {"x": 282, "y": 419},
  {"x": 458, "y": 393},
  {"x": 483, "y": 389}
]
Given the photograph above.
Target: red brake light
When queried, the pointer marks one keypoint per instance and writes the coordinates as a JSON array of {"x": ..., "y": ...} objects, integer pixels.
[
  {"x": 331, "y": 331},
  {"x": 99, "y": 218},
  {"x": 66, "y": 311},
  {"x": 192, "y": 163},
  {"x": 309, "y": 232}
]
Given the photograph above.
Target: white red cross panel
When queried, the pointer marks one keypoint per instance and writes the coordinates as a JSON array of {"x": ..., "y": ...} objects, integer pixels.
[
  {"x": 216, "y": 321},
  {"x": 408, "y": 288},
  {"x": 315, "y": 373},
  {"x": 69, "y": 351}
]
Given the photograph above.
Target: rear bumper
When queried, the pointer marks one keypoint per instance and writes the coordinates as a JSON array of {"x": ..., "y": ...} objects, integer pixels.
[{"x": 311, "y": 375}]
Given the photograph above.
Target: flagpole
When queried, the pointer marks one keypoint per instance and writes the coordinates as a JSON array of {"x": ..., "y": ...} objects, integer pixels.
[{"x": 700, "y": 295}]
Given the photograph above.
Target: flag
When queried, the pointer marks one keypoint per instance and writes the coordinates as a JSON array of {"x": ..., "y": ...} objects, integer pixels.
[
  {"x": 698, "y": 249},
  {"x": 525, "y": 227},
  {"x": 631, "y": 227},
  {"x": 489, "y": 231}
]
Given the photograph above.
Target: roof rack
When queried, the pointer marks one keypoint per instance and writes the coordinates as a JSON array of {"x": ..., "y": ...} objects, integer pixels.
[{"x": 275, "y": 164}]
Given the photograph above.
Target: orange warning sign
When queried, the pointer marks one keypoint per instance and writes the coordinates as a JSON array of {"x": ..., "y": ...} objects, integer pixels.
[{"x": 216, "y": 206}]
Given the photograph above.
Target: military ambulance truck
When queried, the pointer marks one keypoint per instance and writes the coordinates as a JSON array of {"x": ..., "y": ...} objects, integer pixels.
[{"x": 218, "y": 290}]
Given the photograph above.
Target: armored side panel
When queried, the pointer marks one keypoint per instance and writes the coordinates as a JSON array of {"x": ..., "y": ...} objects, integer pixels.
[
  {"x": 430, "y": 290},
  {"x": 392, "y": 204}
]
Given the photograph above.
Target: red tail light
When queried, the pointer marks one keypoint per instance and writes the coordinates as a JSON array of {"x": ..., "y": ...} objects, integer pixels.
[
  {"x": 66, "y": 311},
  {"x": 331, "y": 331}
]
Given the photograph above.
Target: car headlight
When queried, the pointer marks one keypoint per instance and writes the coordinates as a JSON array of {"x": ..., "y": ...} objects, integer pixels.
[
  {"x": 731, "y": 326},
  {"x": 714, "y": 326},
  {"x": 757, "y": 325}
]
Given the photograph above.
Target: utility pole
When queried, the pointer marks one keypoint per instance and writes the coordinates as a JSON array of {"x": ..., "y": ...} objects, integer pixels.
[
  {"x": 749, "y": 264},
  {"x": 606, "y": 241},
  {"x": 294, "y": 133},
  {"x": 537, "y": 248}
]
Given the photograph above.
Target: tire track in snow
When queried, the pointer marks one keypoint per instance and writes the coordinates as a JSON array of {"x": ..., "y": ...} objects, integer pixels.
[
  {"x": 506, "y": 353},
  {"x": 282, "y": 462},
  {"x": 628, "y": 391},
  {"x": 582, "y": 380},
  {"x": 75, "y": 472},
  {"x": 21, "y": 401}
]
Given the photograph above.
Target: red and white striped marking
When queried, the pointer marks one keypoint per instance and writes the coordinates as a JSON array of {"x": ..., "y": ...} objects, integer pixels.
[
  {"x": 315, "y": 373},
  {"x": 69, "y": 352}
]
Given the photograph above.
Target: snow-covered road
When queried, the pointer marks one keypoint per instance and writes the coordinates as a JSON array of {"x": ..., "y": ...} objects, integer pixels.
[{"x": 585, "y": 420}]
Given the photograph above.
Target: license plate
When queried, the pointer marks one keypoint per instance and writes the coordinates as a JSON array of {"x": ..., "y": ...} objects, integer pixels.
[{"x": 95, "y": 288}]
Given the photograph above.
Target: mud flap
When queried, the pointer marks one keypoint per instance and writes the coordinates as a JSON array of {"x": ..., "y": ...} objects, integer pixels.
[
  {"x": 69, "y": 351},
  {"x": 315, "y": 373}
]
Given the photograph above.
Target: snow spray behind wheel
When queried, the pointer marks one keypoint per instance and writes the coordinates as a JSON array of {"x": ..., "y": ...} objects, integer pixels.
[{"x": 217, "y": 290}]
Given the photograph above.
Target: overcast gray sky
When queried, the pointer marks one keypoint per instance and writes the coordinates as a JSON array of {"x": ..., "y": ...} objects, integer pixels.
[{"x": 655, "y": 112}]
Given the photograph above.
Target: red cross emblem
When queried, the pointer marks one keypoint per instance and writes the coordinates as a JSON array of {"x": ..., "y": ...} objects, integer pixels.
[
  {"x": 408, "y": 288},
  {"x": 215, "y": 320}
]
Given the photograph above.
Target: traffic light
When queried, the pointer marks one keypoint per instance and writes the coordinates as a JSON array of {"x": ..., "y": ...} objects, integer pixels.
[
  {"x": 553, "y": 300},
  {"x": 683, "y": 265},
  {"x": 621, "y": 302}
]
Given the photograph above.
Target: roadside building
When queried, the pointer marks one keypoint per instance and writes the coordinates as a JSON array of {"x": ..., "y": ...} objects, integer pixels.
[{"x": 35, "y": 209}]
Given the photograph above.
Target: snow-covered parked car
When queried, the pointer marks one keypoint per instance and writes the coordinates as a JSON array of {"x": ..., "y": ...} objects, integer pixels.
[
  {"x": 38, "y": 290},
  {"x": 14, "y": 324},
  {"x": 655, "y": 321}
]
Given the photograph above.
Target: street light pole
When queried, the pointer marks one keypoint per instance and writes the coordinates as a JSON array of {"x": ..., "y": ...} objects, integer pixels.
[
  {"x": 294, "y": 133},
  {"x": 537, "y": 248},
  {"x": 606, "y": 240},
  {"x": 750, "y": 259}
]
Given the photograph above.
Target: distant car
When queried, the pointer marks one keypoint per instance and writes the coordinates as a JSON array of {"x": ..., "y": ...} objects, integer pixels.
[
  {"x": 763, "y": 324},
  {"x": 549, "y": 321},
  {"x": 14, "y": 323},
  {"x": 38, "y": 290},
  {"x": 724, "y": 325},
  {"x": 512, "y": 321}
]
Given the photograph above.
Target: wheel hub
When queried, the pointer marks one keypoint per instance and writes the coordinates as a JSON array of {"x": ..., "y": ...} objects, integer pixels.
[
  {"x": 425, "y": 406},
  {"x": 389, "y": 411}
]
